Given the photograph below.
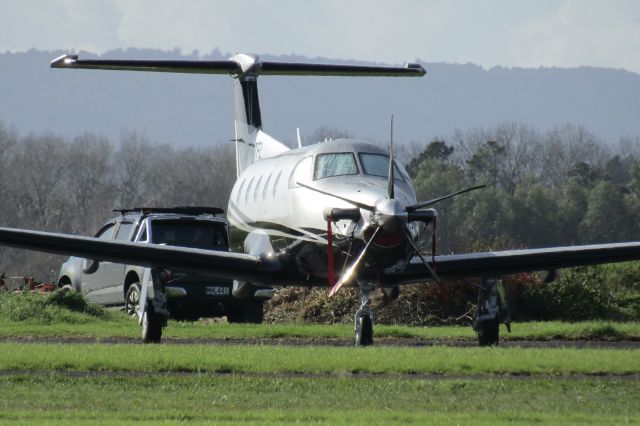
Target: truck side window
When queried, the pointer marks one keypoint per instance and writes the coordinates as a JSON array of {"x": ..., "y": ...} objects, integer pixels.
[
  {"x": 106, "y": 233},
  {"x": 124, "y": 231}
]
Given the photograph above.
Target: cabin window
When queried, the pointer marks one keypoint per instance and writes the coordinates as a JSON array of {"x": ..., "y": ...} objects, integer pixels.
[
  {"x": 240, "y": 191},
  {"x": 246, "y": 194},
  {"x": 275, "y": 184},
  {"x": 266, "y": 185},
  {"x": 335, "y": 164},
  {"x": 255, "y": 193},
  {"x": 300, "y": 172},
  {"x": 378, "y": 165}
]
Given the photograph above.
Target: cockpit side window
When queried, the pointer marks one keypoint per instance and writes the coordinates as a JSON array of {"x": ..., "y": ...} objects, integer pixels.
[
  {"x": 300, "y": 172},
  {"x": 378, "y": 165},
  {"x": 335, "y": 164}
]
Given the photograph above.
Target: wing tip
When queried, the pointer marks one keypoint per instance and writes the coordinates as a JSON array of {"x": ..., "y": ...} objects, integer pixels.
[{"x": 64, "y": 61}]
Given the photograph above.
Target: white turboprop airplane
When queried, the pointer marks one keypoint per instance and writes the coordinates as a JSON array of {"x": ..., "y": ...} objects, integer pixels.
[{"x": 305, "y": 216}]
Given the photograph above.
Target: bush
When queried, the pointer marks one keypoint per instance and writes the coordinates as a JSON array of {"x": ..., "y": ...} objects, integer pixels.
[
  {"x": 585, "y": 293},
  {"x": 57, "y": 307},
  {"x": 606, "y": 292}
]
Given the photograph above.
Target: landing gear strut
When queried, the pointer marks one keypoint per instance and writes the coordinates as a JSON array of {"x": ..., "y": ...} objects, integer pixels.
[
  {"x": 154, "y": 312},
  {"x": 491, "y": 311},
  {"x": 364, "y": 316}
]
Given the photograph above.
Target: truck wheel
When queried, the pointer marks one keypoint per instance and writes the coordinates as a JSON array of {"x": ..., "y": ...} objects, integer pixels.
[{"x": 132, "y": 300}]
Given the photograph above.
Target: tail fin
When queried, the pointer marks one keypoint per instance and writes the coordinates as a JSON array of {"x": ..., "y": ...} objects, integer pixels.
[{"x": 251, "y": 142}]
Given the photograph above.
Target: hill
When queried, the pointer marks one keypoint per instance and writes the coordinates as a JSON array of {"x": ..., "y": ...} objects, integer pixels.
[{"x": 197, "y": 110}]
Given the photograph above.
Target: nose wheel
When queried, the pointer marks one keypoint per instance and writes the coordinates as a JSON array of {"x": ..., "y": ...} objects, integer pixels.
[
  {"x": 364, "y": 330},
  {"x": 364, "y": 316}
]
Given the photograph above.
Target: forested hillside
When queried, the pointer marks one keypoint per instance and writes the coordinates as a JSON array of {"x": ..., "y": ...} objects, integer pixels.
[{"x": 197, "y": 110}]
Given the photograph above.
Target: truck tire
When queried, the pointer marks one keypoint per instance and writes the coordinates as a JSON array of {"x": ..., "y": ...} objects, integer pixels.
[{"x": 132, "y": 300}]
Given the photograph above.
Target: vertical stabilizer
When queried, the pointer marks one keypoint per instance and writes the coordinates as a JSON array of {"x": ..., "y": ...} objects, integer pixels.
[{"x": 252, "y": 143}]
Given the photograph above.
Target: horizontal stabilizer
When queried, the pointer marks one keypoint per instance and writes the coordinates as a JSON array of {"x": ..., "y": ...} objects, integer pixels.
[{"x": 238, "y": 65}]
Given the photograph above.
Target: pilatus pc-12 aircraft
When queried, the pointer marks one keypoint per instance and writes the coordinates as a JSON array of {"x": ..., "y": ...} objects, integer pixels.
[{"x": 333, "y": 213}]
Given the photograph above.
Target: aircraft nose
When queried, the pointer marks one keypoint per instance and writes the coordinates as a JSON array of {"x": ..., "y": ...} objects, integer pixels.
[{"x": 391, "y": 215}]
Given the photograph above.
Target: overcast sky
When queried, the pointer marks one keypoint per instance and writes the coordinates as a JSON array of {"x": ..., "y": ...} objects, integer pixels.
[{"x": 523, "y": 33}]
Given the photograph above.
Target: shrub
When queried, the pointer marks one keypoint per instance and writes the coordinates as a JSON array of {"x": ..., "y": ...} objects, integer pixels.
[{"x": 58, "y": 307}]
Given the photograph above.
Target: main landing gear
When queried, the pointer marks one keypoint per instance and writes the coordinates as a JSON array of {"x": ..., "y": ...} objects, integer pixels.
[
  {"x": 492, "y": 309},
  {"x": 154, "y": 313}
]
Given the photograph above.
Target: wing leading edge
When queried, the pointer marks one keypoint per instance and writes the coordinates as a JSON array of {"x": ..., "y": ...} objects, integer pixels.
[
  {"x": 512, "y": 261},
  {"x": 208, "y": 262}
]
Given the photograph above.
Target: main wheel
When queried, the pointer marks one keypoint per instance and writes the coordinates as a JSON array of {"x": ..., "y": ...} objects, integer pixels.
[
  {"x": 249, "y": 312},
  {"x": 151, "y": 327},
  {"x": 489, "y": 332},
  {"x": 132, "y": 300},
  {"x": 364, "y": 330}
]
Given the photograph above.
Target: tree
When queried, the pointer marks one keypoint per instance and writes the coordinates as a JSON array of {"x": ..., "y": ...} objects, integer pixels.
[
  {"x": 608, "y": 217},
  {"x": 436, "y": 150}
]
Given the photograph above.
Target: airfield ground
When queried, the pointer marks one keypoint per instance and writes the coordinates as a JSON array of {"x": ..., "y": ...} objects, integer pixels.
[{"x": 216, "y": 373}]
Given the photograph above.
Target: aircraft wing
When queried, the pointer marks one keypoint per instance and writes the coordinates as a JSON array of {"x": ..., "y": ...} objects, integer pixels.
[
  {"x": 495, "y": 263},
  {"x": 208, "y": 262}
]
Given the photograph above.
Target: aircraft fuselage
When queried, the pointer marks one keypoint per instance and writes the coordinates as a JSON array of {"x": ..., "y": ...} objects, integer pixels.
[{"x": 271, "y": 214}]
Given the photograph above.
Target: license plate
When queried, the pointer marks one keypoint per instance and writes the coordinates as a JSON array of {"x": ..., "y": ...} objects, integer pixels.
[{"x": 217, "y": 291}]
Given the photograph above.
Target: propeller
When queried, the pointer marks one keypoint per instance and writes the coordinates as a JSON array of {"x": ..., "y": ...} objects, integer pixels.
[{"x": 351, "y": 270}]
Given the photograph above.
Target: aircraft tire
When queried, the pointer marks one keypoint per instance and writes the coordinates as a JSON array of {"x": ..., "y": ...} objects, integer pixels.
[
  {"x": 151, "y": 327},
  {"x": 248, "y": 312},
  {"x": 364, "y": 330},
  {"x": 489, "y": 332}
]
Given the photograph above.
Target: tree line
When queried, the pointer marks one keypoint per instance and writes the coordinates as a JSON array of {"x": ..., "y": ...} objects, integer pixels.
[
  {"x": 71, "y": 185},
  {"x": 559, "y": 187}
]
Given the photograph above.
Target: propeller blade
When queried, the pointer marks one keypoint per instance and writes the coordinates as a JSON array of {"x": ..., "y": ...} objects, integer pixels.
[
  {"x": 415, "y": 249},
  {"x": 390, "y": 181},
  {"x": 351, "y": 271},
  {"x": 355, "y": 203},
  {"x": 437, "y": 200}
]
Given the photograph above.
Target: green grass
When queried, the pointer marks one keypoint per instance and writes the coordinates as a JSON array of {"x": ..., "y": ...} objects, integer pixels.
[
  {"x": 119, "y": 325},
  {"x": 314, "y": 359},
  {"x": 52, "y": 399},
  {"x": 47, "y": 383}
]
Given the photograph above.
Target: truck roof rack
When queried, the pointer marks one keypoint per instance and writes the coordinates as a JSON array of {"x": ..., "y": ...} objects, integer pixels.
[{"x": 178, "y": 210}]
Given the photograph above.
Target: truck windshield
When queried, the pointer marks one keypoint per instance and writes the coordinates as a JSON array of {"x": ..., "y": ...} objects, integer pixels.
[{"x": 196, "y": 234}]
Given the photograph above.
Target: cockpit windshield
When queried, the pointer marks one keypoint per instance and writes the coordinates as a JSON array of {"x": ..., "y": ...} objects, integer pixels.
[
  {"x": 378, "y": 165},
  {"x": 335, "y": 164}
]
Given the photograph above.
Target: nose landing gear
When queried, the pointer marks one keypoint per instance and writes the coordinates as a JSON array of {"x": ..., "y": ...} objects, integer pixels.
[{"x": 364, "y": 316}]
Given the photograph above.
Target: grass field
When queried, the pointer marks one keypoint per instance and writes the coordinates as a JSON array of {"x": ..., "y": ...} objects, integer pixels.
[
  {"x": 241, "y": 399},
  {"x": 120, "y": 326},
  {"x": 51, "y": 383},
  {"x": 207, "y": 375}
]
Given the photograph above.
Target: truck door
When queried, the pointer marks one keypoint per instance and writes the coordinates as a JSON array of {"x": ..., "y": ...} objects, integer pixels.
[{"x": 113, "y": 273}]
